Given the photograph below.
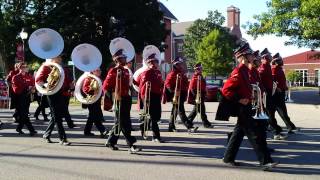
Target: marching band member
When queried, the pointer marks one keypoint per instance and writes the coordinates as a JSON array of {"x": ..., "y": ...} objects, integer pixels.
[
  {"x": 267, "y": 82},
  {"x": 192, "y": 93},
  {"x": 153, "y": 76},
  {"x": 12, "y": 73},
  {"x": 67, "y": 89},
  {"x": 56, "y": 106},
  {"x": 279, "y": 95},
  {"x": 95, "y": 113},
  {"x": 182, "y": 90},
  {"x": 238, "y": 89},
  {"x": 22, "y": 89},
  {"x": 123, "y": 99}
]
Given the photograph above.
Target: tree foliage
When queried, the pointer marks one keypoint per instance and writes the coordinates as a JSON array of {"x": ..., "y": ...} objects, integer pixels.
[
  {"x": 81, "y": 21},
  {"x": 197, "y": 31},
  {"x": 215, "y": 52},
  {"x": 297, "y": 19},
  {"x": 293, "y": 76}
]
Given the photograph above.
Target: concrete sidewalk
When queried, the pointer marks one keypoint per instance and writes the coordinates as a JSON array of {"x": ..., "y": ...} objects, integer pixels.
[{"x": 183, "y": 156}]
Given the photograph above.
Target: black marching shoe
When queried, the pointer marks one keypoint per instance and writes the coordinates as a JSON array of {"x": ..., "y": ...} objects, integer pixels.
[
  {"x": 47, "y": 139},
  {"x": 20, "y": 131},
  {"x": 208, "y": 125},
  {"x": 112, "y": 147},
  {"x": 104, "y": 134},
  {"x": 193, "y": 129},
  {"x": 64, "y": 142},
  {"x": 269, "y": 166},
  {"x": 32, "y": 133},
  {"x": 88, "y": 134},
  {"x": 231, "y": 163},
  {"x": 158, "y": 140},
  {"x": 134, "y": 149},
  {"x": 37, "y": 118}
]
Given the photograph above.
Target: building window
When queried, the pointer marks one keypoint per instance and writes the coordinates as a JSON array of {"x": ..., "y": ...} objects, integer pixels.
[
  {"x": 303, "y": 80},
  {"x": 180, "y": 47}
]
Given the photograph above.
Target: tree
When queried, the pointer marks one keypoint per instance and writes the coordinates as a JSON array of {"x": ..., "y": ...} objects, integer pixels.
[
  {"x": 293, "y": 76},
  {"x": 199, "y": 29},
  {"x": 215, "y": 52},
  {"x": 297, "y": 19},
  {"x": 81, "y": 21}
]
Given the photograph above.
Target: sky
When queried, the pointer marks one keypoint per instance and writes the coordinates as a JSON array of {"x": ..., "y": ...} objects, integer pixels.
[{"x": 190, "y": 10}]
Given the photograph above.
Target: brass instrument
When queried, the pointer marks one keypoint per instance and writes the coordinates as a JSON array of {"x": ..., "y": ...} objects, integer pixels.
[
  {"x": 258, "y": 102},
  {"x": 274, "y": 87},
  {"x": 46, "y": 44},
  {"x": 176, "y": 97},
  {"x": 146, "y": 110},
  {"x": 117, "y": 101},
  {"x": 198, "y": 96},
  {"x": 87, "y": 58},
  {"x": 53, "y": 78}
]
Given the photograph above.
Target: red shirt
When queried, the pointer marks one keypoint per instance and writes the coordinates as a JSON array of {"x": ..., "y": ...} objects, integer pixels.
[
  {"x": 153, "y": 76},
  {"x": 170, "y": 81},
  {"x": 11, "y": 74},
  {"x": 238, "y": 85},
  {"x": 20, "y": 83},
  {"x": 43, "y": 73},
  {"x": 266, "y": 76},
  {"x": 254, "y": 78},
  {"x": 279, "y": 77},
  {"x": 109, "y": 83},
  {"x": 194, "y": 81},
  {"x": 66, "y": 83}
]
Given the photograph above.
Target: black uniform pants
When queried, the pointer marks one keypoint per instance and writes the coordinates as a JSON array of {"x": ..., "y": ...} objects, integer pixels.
[
  {"x": 179, "y": 109},
  {"x": 280, "y": 107},
  {"x": 247, "y": 127},
  {"x": 55, "y": 103},
  {"x": 41, "y": 106},
  {"x": 66, "y": 113},
  {"x": 199, "y": 108},
  {"x": 155, "y": 115},
  {"x": 270, "y": 109},
  {"x": 95, "y": 117},
  {"x": 22, "y": 102},
  {"x": 124, "y": 123}
]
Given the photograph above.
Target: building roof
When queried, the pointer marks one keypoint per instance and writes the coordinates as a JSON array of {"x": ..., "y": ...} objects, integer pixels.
[
  {"x": 311, "y": 56},
  {"x": 180, "y": 29},
  {"x": 166, "y": 12}
]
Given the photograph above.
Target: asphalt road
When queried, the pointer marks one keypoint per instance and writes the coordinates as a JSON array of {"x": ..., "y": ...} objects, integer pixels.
[{"x": 183, "y": 156}]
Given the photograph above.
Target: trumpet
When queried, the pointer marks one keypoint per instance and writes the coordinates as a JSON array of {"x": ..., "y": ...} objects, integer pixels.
[
  {"x": 258, "y": 102},
  {"x": 274, "y": 87},
  {"x": 117, "y": 101},
  {"x": 146, "y": 109}
]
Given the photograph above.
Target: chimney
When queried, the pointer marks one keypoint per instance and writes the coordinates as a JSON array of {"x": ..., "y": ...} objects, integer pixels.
[{"x": 234, "y": 21}]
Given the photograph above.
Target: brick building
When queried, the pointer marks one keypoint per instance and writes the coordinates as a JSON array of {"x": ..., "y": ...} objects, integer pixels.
[
  {"x": 307, "y": 64},
  {"x": 179, "y": 30}
]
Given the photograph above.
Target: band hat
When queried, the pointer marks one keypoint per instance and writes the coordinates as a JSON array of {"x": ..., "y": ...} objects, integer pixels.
[
  {"x": 243, "y": 49},
  {"x": 151, "y": 52},
  {"x": 265, "y": 53},
  {"x": 118, "y": 54},
  {"x": 276, "y": 57},
  {"x": 177, "y": 60},
  {"x": 197, "y": 66}
]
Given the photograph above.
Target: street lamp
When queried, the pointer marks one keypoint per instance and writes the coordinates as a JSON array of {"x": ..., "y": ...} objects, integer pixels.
[{"x": 23, "y": 36}]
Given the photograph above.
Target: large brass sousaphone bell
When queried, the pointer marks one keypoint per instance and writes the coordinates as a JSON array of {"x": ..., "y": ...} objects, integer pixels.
[
  {"x": 46, "y": 43},
  {"x": 147, "y": 51},
  {"x": 87, "y": 57}
]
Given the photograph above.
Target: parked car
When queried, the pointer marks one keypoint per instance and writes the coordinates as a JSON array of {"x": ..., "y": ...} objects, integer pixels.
[{"x": 214, "y": 89}]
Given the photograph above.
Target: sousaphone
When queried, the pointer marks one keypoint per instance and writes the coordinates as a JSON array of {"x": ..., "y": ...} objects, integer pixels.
[
  {"x": 46, "y": 43},
  {"x": 147, "y": 51},
  {"x": 87, "y": 58},
  {"x": 124, "y": 44}
]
